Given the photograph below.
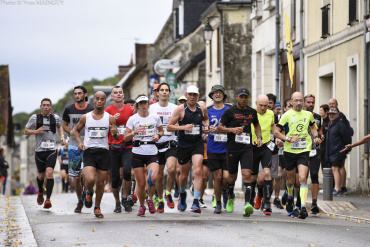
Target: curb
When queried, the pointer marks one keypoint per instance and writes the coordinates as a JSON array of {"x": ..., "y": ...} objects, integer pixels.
[{"x": 342, "y": 216}]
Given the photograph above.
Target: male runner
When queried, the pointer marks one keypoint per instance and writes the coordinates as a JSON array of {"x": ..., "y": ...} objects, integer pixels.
[
  {"x": 167, "y": 146},
  {"x": 71, "y": 116},
  {"x": 119, "y": 151},
  {"x": 236, "y": 122},
  {"x": 96, "y": 125},
  {"x": 63, "y": 161},
  {"x": 295, "y": 126},
  {"x": 44, "y": 126},
  {"x": 190, "y": 116}
]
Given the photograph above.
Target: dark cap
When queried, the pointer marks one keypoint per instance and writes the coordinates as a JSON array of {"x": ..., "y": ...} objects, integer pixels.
[
  {"x": 242, "y": 91},
  {"x": 215, "y": 88},
  {"x": 333, "y": 111}
]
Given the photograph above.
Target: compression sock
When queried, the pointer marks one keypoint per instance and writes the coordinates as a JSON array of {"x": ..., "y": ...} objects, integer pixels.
[
  {"x": 267, "y": 188},
  {"x": 298, "y": 202},
  {"x": 49, "y": 187},
  {"x": 133, "y": 185},
  {"x": 63, "y": 185},
  {"x": 182, "y": 189},
  {"x": 196, "y": 194},
  {"x": 253, "y": 190},
  {"x": 247, "y": 195},
  {"x": 168, "y": 192},
  {"x": 260, "y": 190},
  {"x": 67, "y": 186},
  {"x": 231, "y": 190},
  {"x": 290, "y": 190},
  {"x": 40, "y": 184},
  {"x": 303, "y": 193}
]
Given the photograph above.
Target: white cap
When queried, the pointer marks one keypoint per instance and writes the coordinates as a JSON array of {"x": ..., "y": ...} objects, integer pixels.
[
  {"x": 142, "y": 98},
  {"x": 192, "y": 89}
]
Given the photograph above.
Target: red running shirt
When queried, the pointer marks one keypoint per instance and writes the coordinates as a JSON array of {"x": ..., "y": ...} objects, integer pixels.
[{"x": 125, "y": 114}]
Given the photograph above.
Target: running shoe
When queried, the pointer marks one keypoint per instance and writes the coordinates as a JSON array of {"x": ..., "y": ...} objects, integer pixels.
[
  {"x": 248, "y": 210},
  {"x": 40, "y": 198},
  {"x": 192, "y": 188},
  {"x": 336, "y": 193},
  {"x": 47, "y": 204},
  {"x": 195, "y": 208},
  {"x": 303, "y": 215},
  {"x": 290, "y": 205},
  {"x": 284, "y": 198},
  {"x": 257, "y": 202},
  {"x": 315, "y": 209},
  {"x": 88, "y": 199},
  {"x": 118, "y": 207},
  {"x": 278, "y": 204},
  {"x": 176, "y": 194},
  {"x": 151, "y": 207},
  {"x": 214, "y": 202},
  {"x": 130, "y": 200},
  {"x": 79, "y": 207},
  {"x": 182, "y": 201},
  {"x": 344, "y": 191},
  {"x": 170, "y": 202},
  {"x": 141, "y": 211},
  {"x": 98, "y": 213},
  {"x": 218, "y": 208},
  {"x": 230, "y": 204},
  {"x": 126, "y": 205},
  {"x": 267, "y": 209},
  {"x": 160, "y": 208},
  {"x": 295, "y": 212},
  {"x": 202, "y": 204}
]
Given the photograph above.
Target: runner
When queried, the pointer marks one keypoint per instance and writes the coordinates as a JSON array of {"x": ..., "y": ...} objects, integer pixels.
[
  {"x": 216, "y": 146},
  {"x": 315, "y": 154},
  {"x": 96, "y": 125},
  {"x": 236, "y": 122},
  {"x": 190, "y": 117},
  {"x": 71, "y": 117},
  {"x": 155, "y": 94},
  {"x": 295, "y": 125},
  {"x": 44, "y": 126},
  {"x": 119, "y": 151},
  {"x": 263, "y": 154},
  {"x": 145, "y": 129},
  {"x": 63, "y": 161},
  {"x": 167, "y": 146}
]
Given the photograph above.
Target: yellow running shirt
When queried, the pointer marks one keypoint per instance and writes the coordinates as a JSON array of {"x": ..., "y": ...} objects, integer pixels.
[
  {"x": 297, "y": 124},
  {"x": 265, "y": 120}
]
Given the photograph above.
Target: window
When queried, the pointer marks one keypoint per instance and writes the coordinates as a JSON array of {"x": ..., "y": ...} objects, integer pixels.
[
  {"x": 325, "y": 21},
  {"x": 352, "y": 12}
]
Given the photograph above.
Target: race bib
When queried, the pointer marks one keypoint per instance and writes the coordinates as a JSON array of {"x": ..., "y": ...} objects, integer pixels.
[
  {"x": 97, "y": 132},
  {"x": 194, "y": 131},
  {"x": 149, "y": 131},
  {"x": 220, "y": 137},
  {"x": 243, "y": 138},
  {"x": 271, "y": 145},
  {"x": 166, "y": 133},
  {"x": 301, "y": 144},
  {"x": 65, "y": 162},
  {"x": 313, "y": 153},
  {"x": 121, "y": 129},
  {"x": 281, "y": 151},
  {"x": 47, "y": 144}
]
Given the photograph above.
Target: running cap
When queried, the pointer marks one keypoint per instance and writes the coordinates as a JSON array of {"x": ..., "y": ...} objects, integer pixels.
[
  {"x": 142, "y": 98},
  {"x": 242, "y": 91},
  {"x": 155, "y": 88},
  {"x": 182, "y": 98},
  {"x": 277, "y": 104},
  {"x": 333, "y": 111},
  {"x": 192, "y": 89},
  {"x": 215, "y": 88}
]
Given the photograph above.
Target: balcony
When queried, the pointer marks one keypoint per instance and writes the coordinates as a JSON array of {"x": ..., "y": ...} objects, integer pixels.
[
  {"x": 256, "y": 10},
  {"x": 268, "y": 5}
]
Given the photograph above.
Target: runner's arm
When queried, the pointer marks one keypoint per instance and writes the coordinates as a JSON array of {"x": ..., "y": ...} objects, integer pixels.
[
  {"x": 315, "y": 134},
  {"x": 61, "y": 133},
  {"x": 66, "y": 128},
  {"x": 224, "y": 130},
  {"x": 205, "y": 119},
  {"x": 257, "y": 131},
  {"x": 171, "y": 126},
  {"x": 80, "y": 125},
  {"x": 113, "y": 127}
]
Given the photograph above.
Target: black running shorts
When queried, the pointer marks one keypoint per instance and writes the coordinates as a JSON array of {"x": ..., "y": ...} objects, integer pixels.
[
  {"x": 97, "y": 157},
  {"x": 163, "y": 156},
  {"x": 217, "y": 161},
  {"x": 139, "y": 160},
  {"x": 245, "y": 158},
  {"x": 292, "y": 160},
  {"x": 184, "y": 154},
  {"x": 45, "y": 159}
]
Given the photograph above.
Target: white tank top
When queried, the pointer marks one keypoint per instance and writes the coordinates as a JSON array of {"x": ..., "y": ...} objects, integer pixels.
[{"x": 96, "y": 131}]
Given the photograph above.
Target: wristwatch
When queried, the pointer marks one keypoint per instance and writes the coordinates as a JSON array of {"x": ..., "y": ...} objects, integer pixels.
[
  {"x": 259, "y": 137},
  {"x": 288, "y": 139},
  {"x": 159, "y": 136}
]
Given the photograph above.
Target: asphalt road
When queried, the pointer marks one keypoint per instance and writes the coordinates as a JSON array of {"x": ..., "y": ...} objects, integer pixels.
[{"x": 59, "y": 226}]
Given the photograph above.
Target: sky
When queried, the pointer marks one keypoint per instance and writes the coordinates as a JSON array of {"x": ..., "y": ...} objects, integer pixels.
[{"x": 53, "y": 45}]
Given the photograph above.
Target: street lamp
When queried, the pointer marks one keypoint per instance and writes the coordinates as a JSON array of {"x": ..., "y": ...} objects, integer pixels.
[{"x": 207, "y": 32}]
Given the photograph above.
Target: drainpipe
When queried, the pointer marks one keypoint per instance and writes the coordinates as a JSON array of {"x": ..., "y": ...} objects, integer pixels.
[
  {"x": 366, "y": 100},
  {"x": 277, "y": 48},
  {"x": 221, "y": 46},
  {"x": 301, "y": 68}
]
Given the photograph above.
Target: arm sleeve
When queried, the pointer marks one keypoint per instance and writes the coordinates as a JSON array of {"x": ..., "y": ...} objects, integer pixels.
[{"x": 31, "y": 122}]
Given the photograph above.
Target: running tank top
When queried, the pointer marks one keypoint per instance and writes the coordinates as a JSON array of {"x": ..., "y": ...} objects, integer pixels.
[
  {"x": 96, "y": 131},
  {"x": 188, "y": 139}
]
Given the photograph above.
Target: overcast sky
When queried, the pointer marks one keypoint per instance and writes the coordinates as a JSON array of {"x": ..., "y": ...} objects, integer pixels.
[{"x": 52, "y": 48}]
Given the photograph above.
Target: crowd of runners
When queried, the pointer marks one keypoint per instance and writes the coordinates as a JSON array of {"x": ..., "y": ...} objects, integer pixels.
[{"x": 133, "y": 141}]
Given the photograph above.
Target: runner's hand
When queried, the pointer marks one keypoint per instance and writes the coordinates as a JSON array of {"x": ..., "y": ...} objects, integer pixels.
[
  {"x": 116, "y": 116},
  {"x": 188, "y": 127},
  {"x": 205, "y": 129},
  {"x": 295, "y": 139},
  {"x": 139, "y": 129},
  {"x": 347, "y": 148},
  {"x": 40, "y": 130},
  {"x": 155, "y": 138},
  {"x": 238, "y": 130},
  {"x": 259, "y": 142},
  {"x": 81, "y": 147},
  {"x": 279, "y": 143},
  {"x": 212, "y": 128},
  {"x": 317, "y": 140}
]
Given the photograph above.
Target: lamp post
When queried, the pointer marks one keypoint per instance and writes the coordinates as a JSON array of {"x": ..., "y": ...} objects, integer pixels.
[{"x": 207, "y": 32}]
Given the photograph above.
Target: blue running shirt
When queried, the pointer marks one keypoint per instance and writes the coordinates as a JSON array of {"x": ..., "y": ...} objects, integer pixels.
[{"x": 214, "y": 118}]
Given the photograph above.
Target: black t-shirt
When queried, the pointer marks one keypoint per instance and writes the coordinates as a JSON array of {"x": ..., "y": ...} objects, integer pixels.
[{"x": 235, "y": 117}]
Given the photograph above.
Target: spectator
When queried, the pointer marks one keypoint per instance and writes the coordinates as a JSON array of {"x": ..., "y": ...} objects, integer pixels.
[
  {"x": 30, "y": 190},
  {"x": 325, "y": 125},
  {"x": 3, "y": 171}
]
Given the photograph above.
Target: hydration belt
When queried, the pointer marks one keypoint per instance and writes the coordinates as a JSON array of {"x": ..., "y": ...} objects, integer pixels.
[
  {"x": 139, "y": 143},
  {"x": 167, "y": 144}
]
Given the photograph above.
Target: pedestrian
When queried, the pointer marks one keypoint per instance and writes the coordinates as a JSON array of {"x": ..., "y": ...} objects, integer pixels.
[
  {"x": 44, "y": 126},
  {"x": 324, "y": 109},
  {"x": 293, "y": 129},
  {"x": 193, "y": 122},
  {"x": 71, "y": 116},
  {"x": 145, "y": 129},
  {"x": 236, "y": 121},
  {"x": 63, "y": 162},
  {"x": 337, "y": 137},
  {"x": 2, "y": 168},
  {"x": 95, "y": 125}
]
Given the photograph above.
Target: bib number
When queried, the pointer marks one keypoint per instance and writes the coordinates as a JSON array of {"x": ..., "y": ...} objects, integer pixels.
[
  {"x": 271, "y": 145},
  {"x": 121, "y": 129},
  {"x": 166, "y": 133},
  {"x": 194, "y": 131},
  {"x": 313, "y": 153},
  {"x": 220, "y": 138},
  {"x": 147, "y": 132},
  {"x": 97, "y": 132},
  {"x": 47, "y": 144},
  {"x": 65, "y": 162},
  {"x": 243, "y": 138},
  {"x": 301, "y": 144}
]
